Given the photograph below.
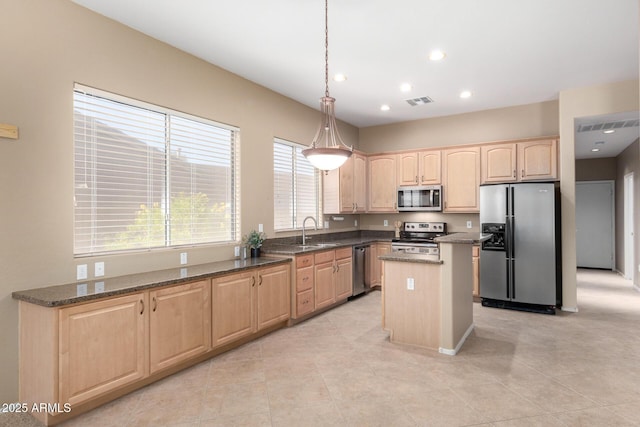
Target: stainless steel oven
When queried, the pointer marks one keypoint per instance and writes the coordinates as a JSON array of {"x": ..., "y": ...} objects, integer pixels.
[{"x": 417, "y": 238}]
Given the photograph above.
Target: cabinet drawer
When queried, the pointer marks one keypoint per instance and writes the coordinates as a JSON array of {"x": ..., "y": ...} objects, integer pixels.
[
  {"x": 304, "y": 302},
  {"x": 304, "y": 279},
  {"x": 304, "y": 261},
  {"x": 344, "y": 253},
  {"x": 323, "y": 257},
  {"x": 476, "y": 251}
]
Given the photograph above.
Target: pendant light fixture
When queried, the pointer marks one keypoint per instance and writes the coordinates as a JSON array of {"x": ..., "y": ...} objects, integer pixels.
[{"x": 327, "y": 151}]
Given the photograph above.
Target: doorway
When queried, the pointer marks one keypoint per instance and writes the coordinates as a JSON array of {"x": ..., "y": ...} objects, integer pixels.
[
  {"x": 628, "y": 227},
  {"x": 595, "y": 224}
]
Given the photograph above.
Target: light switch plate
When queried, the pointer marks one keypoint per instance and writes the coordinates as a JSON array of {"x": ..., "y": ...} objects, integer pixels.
[
  {"x": 81, "y": 272},
  {"x": 386, "y": 222},
  {"x": 183, "y": 258},
  {"x": 411, "y": 283},
  {"x": 236, "y": 251},
  {"x": 469, "y": 224},
  {"x": 326, "y": 224},
  {"x": 260, "y": 228},
  {"x": 355, "y": 222},
  {"x": 98, "y": 269}
]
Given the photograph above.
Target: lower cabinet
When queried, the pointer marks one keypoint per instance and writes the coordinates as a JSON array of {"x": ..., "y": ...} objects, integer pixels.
[
  {"x": 475, "y": 260},
  {"x": 323, "y": 272},
  {"x": 244, "y": 303},
  {"x": 344, "y": 273},
  {"x": 101, "y": 348},
  {"x": 375, "y": 265}
]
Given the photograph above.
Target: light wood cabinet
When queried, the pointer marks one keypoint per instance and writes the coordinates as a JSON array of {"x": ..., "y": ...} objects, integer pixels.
[
  {"x": 102, "y": 347},
  {"x": 244, "y": 303},
  {"x": 344, "y": 189},
  {"x": 520, "y": 161},
  {"x": 325, "y": 285},
  {"x": 180, "y": 323},
  {"x": 375, "y": 265},
  {"x": 344, "y": 273},
  {"x": 538, "y": 160},
  {"x": 419, "y": 168},
  {"x": 475, "y": 262},
  {"x": 382, "y": 183},
  {"x": 461, "y": 179}
]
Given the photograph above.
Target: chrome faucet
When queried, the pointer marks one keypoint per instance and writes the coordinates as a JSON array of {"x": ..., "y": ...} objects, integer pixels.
[{"x": 315, "y": 227}]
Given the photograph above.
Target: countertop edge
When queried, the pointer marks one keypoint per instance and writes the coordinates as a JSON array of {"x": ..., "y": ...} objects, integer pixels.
[
  {"x": 42, "y": 296},
  {"x": 404, "y": 257},
  {"x": 463, "y": 238},
  {"x": 295, "y": 249}
]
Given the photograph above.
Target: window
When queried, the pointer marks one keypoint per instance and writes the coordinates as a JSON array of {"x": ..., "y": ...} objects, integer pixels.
[
  {"x": 296, "y": 187},
  {"x": 147, "y": 177}
]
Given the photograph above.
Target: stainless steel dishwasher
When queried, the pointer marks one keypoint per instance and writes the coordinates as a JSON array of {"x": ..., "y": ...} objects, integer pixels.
[{"x": 360, "y": 282}]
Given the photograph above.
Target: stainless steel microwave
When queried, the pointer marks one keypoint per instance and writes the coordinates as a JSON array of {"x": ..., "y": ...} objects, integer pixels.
[{"x": 420, "y": 198}]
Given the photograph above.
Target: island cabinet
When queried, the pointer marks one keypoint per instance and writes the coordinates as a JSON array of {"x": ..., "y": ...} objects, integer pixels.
[
  {"x": 520, "y": 161},
  {"x": 344, "y": 189},
  {"x": 381, "y": 179},
  {"x": 461, "y": 179},
  {"x": 475, "y": 263},
  {"x": 247, "y": 302},
  {"x": 419, "y": 168}
]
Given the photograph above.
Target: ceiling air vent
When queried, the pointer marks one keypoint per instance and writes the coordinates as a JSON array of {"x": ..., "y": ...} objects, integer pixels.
[
  {"x": 609, "y": 125},
  {"x": 423, "y": 100}
]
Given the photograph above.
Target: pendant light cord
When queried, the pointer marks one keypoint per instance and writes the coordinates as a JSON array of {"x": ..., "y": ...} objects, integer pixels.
[{"x": 326, "y": 47}]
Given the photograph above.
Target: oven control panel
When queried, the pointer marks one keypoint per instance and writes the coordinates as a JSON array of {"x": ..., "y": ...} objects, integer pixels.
[{"x": 425, "y": 227}]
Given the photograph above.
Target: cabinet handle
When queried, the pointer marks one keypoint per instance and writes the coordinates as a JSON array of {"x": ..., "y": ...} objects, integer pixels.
[
  {"x": 514, "y": 173},
  {"x": 423, "y": 177},
  {"x": 155, "y": 304},
  {"x": 337, "y": 267},
  {"x": 253, "y": 281},
  {"x": 141, "y": 306},
  {"x": 522, "y": 173},
  {"x": 260, "y": 282}
]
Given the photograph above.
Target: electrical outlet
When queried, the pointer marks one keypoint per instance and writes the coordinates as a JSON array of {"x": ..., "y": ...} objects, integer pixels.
[
  {"x": 98, "y": 269},
  {"x": 81, "y": 272},
  {"x": 183, "y": 258},
  {"x": 236, "y": 251},
  {"x": 411, "y": 284},
  {"x": 386, "y": 222},
  {"x": 326, "y": 224},
  {"x": 469, "y": 224},
  {"x": 260, "y": 228},
  {"x": 355, "y": 222}
]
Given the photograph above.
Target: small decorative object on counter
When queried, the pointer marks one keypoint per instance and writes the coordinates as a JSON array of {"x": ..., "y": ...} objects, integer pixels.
[
  {"x": 254, "y": 240},
  {"x": 397, "y": 226}
]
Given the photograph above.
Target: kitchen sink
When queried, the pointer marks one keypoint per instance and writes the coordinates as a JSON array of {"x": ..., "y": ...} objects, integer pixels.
[{"x": 318, "y": 245}]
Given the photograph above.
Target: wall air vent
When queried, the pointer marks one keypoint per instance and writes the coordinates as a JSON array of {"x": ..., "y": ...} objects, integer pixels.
[
  {"x": 609, "y": 125},
  {"x": 423, "y": 100}
]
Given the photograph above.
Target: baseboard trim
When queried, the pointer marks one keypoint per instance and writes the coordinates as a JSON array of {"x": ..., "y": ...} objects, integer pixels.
[{"x": 453, "y": 352}]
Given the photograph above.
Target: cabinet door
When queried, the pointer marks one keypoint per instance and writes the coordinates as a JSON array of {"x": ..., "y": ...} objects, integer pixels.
[
  {"x": 347, "y": 201},
  {"x": 382, "y": 183},
  {"x": 429, "y": 163},
  {"x": 537, "y": 160},
  {"x": 498, "y": 163},
  {"x": 233, "y": 307},
  {"x": 344, "y": 278},
  {"x": 461, "y": 174},
  {"x": 180, "y": 323},
  {"x": 274, "y": 295},
  {"x": 373, "y": 268},
  {"x": 102, "y": 346},
  {"x": 475, "y": 260},
  {"x": 359, "y": 182},
  {"x": 407, "y": 168},
  {"x": 381, "y": 249},
  {"x": 325, "y": 289}
]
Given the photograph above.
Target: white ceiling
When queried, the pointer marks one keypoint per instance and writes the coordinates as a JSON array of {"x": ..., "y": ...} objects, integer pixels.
[{"x": 505, "y": 52}]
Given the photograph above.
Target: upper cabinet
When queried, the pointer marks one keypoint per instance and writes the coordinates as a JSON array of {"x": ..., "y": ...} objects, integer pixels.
[
  {"x": 345, "y": 188},
  {"x": 461, "y": 179},
  {"x": 382, "y": 183},
  {"x": 419, "y": 168},
  {"x": 522, "y": 161}
]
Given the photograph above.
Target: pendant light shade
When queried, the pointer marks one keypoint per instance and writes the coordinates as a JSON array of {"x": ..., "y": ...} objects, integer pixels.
[{"x": 327, "y": 151}]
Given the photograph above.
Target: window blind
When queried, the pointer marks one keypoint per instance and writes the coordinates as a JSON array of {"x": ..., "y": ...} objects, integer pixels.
[
  {"x": 147, "y": 177},
  {"x": 297, "y": 192}
]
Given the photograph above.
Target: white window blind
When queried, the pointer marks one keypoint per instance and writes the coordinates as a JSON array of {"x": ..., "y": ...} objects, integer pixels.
[
  {"x": 297, "y": 192},
  {"x": 147, "y": 177}
]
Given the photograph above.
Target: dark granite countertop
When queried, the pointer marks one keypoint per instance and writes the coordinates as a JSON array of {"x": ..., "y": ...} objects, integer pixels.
[
  {"x": 72, "y": 293},
  {"x": 468, "y": 238},
  {"x": 405, "y": 257}
]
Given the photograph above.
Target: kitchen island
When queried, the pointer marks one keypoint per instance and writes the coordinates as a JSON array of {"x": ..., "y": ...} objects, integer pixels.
[{"x": 428, "y": 302}]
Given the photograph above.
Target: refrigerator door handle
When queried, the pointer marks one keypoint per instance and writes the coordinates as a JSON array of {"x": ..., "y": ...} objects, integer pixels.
[
  {"x": 513, "y": 200},
  {"x": 513, "y": 278},
  {"x": 508, "y": 277}
]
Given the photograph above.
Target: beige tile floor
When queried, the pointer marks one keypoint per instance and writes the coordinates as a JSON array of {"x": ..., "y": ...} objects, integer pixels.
[{"x": 339, "y": 369}]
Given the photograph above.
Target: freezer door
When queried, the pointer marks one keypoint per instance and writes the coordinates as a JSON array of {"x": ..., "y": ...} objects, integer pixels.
[
  {"x": 533, "y": 238},
  {"x": 493, "y": 264}
]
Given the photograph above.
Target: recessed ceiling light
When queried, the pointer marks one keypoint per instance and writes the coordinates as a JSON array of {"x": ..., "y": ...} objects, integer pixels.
[
  {"x": 339, "y": 77},
  {"x": 465, "y": 94},
  {"x": 437, "y": 55},
  {"x": 406, "y": 87},
  {"x": 609, "y": 131},
  {"x": 384, "y": 107},
  {"x": 595, "y": 150}
]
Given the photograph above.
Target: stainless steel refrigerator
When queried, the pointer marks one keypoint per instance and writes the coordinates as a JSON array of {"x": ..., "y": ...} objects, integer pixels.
[{"x": 520, "y": 266}]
